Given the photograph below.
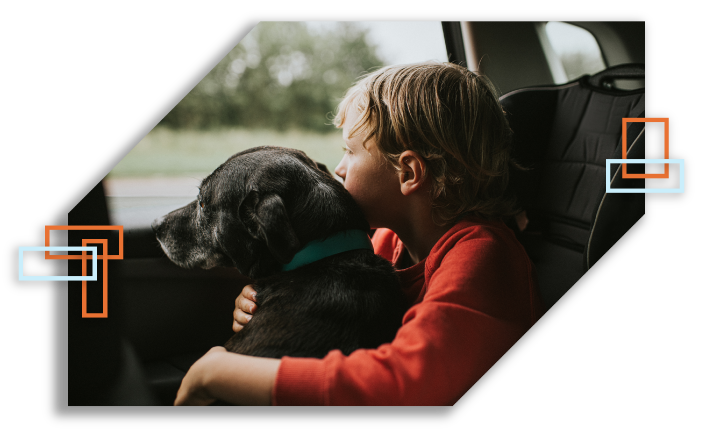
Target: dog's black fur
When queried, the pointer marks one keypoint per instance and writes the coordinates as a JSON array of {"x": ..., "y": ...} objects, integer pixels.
[{"x": 254, "y": 213}]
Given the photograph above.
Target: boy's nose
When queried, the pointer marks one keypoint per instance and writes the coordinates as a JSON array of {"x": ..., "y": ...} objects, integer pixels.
[{"x": 341, "y": 169}]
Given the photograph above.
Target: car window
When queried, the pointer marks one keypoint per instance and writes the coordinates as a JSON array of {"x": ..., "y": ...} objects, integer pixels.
[
  {"x": 575, "y": 52},
  {"x": 279, "y": 86}
]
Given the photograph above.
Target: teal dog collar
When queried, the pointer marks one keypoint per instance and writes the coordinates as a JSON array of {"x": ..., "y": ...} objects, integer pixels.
[{"x": 343, "y": 241}]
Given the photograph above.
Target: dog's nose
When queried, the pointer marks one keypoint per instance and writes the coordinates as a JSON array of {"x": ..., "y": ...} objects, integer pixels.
[{"x": 157, "y": 223}]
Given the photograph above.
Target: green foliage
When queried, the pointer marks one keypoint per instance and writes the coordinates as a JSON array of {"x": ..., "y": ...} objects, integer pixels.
[{"x": 283, "y": 75}]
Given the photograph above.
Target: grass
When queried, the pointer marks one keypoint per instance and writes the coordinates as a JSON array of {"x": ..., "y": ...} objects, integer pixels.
[{"x": 173, "y": 153}]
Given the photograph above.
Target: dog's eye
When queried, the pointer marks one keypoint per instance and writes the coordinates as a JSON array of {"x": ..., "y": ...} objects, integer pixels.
[{"x": 202, "y": 205}]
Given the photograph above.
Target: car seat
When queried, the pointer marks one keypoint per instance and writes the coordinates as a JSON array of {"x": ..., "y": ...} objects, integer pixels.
[{"x": 562, "y": 136}]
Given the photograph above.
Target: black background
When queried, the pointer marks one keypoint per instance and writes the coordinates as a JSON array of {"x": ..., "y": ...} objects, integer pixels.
[{"x": 84, "y": 93}]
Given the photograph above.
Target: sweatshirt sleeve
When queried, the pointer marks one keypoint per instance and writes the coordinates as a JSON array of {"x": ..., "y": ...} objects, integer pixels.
[{"x": 475, "y": 308}]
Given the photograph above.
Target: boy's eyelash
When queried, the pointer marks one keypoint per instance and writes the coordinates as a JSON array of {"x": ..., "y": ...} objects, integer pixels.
[{"x": 346, "y": 149}]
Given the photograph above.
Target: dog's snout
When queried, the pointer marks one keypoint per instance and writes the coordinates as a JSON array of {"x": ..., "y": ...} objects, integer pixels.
[{"x": 157, "y": 223}]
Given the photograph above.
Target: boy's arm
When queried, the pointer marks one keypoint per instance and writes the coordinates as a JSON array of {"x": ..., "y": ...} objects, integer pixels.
[
  {"x": 477, "y": 305},
  {"x": 237, "y": 379}
]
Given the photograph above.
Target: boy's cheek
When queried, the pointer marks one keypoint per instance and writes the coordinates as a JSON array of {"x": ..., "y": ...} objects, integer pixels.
[{"x": 353, "y": 190}]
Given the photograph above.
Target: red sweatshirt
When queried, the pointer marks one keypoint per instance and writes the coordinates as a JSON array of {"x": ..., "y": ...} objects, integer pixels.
[{"x": 473, "y": 297}]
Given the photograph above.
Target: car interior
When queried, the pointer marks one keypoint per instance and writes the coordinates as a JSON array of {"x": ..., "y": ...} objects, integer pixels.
[{"x": 163, "y": 318}]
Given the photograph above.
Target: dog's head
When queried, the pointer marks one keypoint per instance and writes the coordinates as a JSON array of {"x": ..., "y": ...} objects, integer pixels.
[{"x": 256, "y": 211}]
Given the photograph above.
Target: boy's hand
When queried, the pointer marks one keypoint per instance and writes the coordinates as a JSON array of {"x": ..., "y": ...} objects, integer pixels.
[
  {"x": 245, "y": 305},
  {"x": 193, "y": 389}
]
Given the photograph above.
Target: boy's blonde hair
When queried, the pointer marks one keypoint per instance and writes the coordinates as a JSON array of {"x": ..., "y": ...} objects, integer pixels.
[{"x": 452, "y": 118}]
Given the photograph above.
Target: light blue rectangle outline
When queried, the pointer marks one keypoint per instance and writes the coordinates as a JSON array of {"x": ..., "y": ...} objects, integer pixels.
[
  {"x": 680, "y": 162},
  {"x": 91, "y": 277}
]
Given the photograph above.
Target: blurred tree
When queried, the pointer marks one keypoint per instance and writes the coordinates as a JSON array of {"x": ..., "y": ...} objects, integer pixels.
[{"x": 283, "y": 75}]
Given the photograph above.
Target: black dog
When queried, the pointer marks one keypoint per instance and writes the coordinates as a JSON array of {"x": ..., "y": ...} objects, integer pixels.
[{"x": 268, "y": 207}]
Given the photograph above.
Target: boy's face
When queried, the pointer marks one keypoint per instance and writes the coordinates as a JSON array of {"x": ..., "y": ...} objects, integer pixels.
[{"x": 369, "y": 178}]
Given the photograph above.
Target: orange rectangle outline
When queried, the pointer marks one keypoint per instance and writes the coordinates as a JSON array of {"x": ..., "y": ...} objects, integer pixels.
[
  {"x": 666, "y": 146},
  {"x": 105, "y": 280},
  {"x": 47, "y": 230}
]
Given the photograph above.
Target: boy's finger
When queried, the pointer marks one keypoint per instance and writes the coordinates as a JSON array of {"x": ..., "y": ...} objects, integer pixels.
[
  {"x": 241, "y": 317},
  {"x": 249, "y": 292},
  {"x": 236, "y": 327},
  {"x": 246, "y": 305}
]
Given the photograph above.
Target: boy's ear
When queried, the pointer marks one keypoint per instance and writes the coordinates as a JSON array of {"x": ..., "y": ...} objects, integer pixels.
[{"x": 412, "y": 172}]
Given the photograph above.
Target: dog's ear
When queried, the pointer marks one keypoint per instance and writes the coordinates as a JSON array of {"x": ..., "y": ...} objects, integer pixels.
[
  {"x": 271, "y": 223},
  {"x": 323, "y": 167}
]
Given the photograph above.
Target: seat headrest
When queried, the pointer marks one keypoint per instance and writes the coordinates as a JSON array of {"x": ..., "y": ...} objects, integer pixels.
[{"x": 623, "y": 71}]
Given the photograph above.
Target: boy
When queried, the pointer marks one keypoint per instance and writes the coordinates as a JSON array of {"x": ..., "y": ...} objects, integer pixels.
[{"x": 427, "y": 159}]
